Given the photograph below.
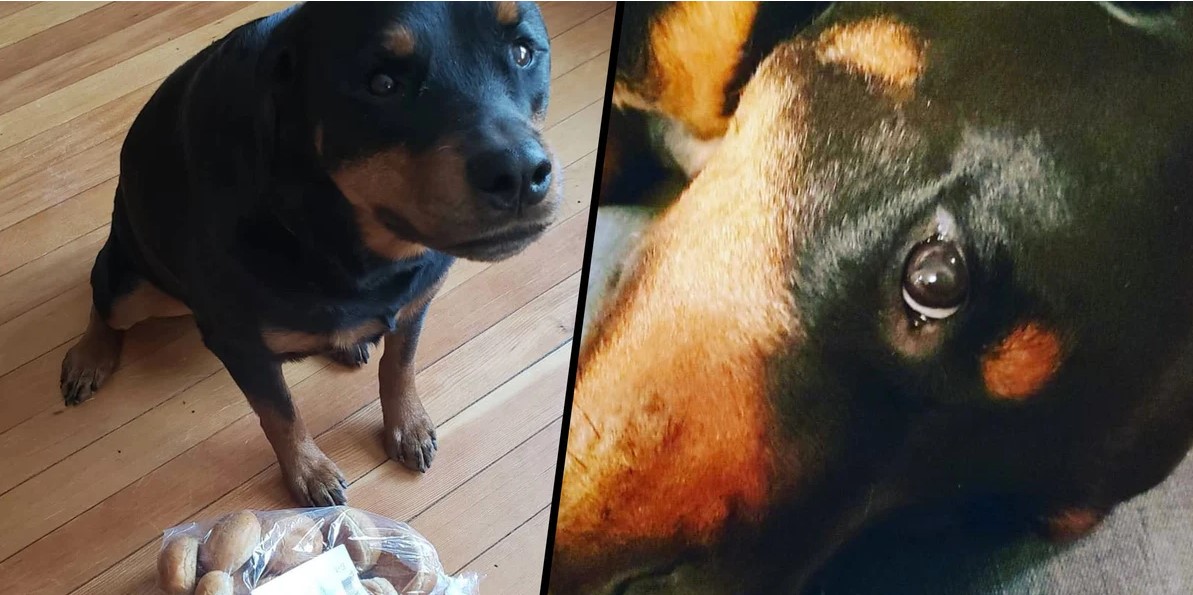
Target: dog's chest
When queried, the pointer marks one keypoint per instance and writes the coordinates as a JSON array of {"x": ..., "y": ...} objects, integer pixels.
[{"x": 296, "y": 342}]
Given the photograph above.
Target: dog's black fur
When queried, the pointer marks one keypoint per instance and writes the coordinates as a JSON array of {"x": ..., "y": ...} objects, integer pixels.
[
  {"x": 229, "y": 200},
  {"x": 1051, "y": 143}
]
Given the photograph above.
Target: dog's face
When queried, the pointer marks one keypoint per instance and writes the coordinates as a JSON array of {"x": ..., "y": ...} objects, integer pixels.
[
  {"x": 426, "y": 116},
  {"x": 943, "y": 252}
]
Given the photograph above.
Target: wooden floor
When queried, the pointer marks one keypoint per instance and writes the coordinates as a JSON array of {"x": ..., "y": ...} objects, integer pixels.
[{"x": 85, "y": 492}]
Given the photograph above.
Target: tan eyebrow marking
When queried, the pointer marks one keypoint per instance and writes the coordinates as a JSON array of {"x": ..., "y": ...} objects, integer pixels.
[
  {"x": 507, "y": 12},
  {"x": 876, "y": 48},
  {"x": 1022, "y": 363},
  {"x": 400, "y": 40}
]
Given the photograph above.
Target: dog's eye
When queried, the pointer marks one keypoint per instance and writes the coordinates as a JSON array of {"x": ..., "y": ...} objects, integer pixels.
[
  {"x": 521, "y": 54},
  {"x": 935, "y": 279},
  {"x": 382, "y": 84}
]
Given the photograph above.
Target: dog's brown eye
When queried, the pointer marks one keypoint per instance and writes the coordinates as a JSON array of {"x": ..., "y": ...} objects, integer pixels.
[
  {"x": 382, "y": 84},
  {"x": 522, "y": 54},
  {"x": 935, "y": 279}
]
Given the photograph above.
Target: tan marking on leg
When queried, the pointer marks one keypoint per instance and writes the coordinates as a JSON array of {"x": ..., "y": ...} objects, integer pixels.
[
  {"x": 409, "y": 432},
  {"x": 671, "y": 428},
  {"x": 400, "y": 40},
  {"x": 1022, "y": 363},
  {"x": 142, "y": 303},
  {"x": 91, "y": 361},
  {"x": 507, "y": 12},
  {"x": 283, "y": 341},
  {"x": 695, "y": 49},
  {"x": 876, "y": 48},
  {"x": 304, "y": 466}
]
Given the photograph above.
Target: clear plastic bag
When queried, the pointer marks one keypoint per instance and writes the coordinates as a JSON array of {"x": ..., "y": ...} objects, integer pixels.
[{"x": 246, "y": 550}]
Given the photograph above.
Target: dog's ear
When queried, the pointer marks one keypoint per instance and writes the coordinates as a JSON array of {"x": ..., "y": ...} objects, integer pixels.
[
  {"x": 276, "y": 78},
  {"x": 682, "y": 66}
]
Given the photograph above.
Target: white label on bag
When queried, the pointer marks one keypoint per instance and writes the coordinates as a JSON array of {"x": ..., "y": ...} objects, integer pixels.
[{"x": 329, "y": 573}]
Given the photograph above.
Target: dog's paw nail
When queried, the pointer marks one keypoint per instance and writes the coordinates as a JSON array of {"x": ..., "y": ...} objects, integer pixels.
[
  {"x": 414, "y": 446},
  {"x": 319, "y": 483}
]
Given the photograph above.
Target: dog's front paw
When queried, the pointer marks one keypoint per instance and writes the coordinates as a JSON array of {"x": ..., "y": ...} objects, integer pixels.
[
  {"x": 86, "y": 367},
  {"x": 412, "y": 442},
  {"x": 316, "y": 481}
]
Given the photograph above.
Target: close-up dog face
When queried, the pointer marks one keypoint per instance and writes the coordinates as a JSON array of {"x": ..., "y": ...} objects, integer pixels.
[
  {"x": 941, "y": 253},
  {"x": 426, "y": 116}
]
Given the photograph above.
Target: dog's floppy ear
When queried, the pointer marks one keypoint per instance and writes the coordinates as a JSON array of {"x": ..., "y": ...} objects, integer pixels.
[
  {"x": 276, "y": 76},
  {"x": 680, "y": 69}
]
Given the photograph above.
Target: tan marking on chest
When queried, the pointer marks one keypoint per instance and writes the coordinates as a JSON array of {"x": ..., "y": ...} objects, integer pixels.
[
  {"x": 507, "y": 12},
  {"x": 876, "y": 48},
  {"x": 285, "y": 341},
  {"x": 671, "y": 429},
  {"x": 695, "y": 49},
  {"x": 1022, "y": 363}
]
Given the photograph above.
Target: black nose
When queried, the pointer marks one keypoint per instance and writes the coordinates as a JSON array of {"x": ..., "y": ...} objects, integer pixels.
[{"x": 511, "y": 177}]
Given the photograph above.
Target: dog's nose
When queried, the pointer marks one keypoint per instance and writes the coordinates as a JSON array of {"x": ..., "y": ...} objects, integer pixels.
[{"x": 511, "y": 177}]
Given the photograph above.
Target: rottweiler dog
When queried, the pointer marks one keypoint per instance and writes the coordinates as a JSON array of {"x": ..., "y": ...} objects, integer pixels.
[
  {"x": 303, "y": 185},
  {"x": 942, "y": 255}
]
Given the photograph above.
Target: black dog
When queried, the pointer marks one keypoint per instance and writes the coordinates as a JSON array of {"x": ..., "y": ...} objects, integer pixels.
[
  {"x": 942, "y": 255},
  {"x": 302, "y": 185}
]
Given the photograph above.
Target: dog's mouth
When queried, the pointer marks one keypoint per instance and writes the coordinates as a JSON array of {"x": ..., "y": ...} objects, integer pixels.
[
  {"x": 490, "y": 246},
  {"x": 499, "y": 245}
]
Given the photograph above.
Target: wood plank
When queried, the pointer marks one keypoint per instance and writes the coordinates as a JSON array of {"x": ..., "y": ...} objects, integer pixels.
[
  {"x": 7, "y": 8},
  {"x": 241, "y": 451},
  {"x": 33, "y": 156},
  {"x": 59, "y": 180},
  {"x": 32, "y": 389},
  {"x": 575, "y": 46},
  {"x": 582, "y": 42},
  {"x": 484, "y": 300},
  {"x": 514, "y": 565},
  {"x": 58, "y": 271},
  {"x": 55, "y": 432},
  {"x": 39, "y": 17},
  {"x": 496, "y": 501},
  {"x": 38, "y": 396},
  {"x": 75, "y": 55},
  {"x": 22, "y": 167},
  {"x": 515, "y": 411},
  {"x": 35, "y": 285},
  {"x": 56, "y": 227},
  {"x": 45, "y": 327},
  {"x": 94, "y": 91},
  {"x": 78, "y": 214},
  {"x": 73, "y": 34},
  {"x": 563, "y": 16},
  {"x": 573, "y": 90},
  {"x": 172, "y": 437}
]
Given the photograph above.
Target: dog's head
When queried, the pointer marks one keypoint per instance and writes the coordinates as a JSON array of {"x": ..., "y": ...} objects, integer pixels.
[
  {"x": 426, "y": 117},
  {"x": 942, "y": 252}
]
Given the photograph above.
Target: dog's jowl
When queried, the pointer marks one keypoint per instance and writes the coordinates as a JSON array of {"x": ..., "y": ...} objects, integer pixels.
[
  {"x": 303, "y": 185},
  {"x": 930, "y": 255}
]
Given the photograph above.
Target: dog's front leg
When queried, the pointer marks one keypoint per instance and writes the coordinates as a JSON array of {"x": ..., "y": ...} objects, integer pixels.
[
  {"x": 409, "y": 433},
  {"x": 311, "y": 477}
]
